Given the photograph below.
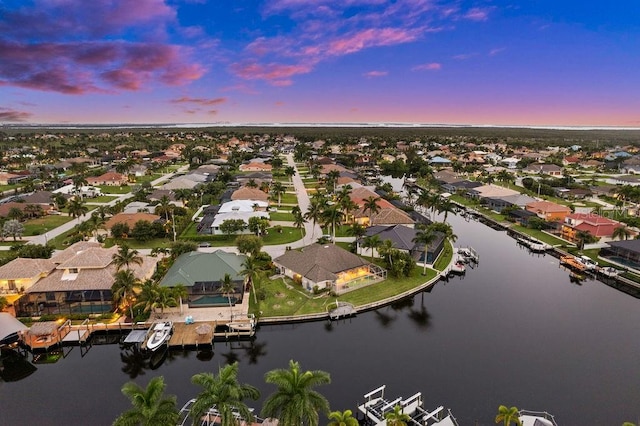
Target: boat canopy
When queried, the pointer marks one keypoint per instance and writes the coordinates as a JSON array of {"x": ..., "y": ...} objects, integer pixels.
[{"x": 9, "y": 326}]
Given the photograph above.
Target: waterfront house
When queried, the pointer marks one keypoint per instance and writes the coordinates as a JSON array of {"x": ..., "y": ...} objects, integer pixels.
[
  {"x": 79, "y": 282},
  {"x": 318, "y": 266},
  {"x": 202, "y": 274},
  {"x": 597, "y": 226},
  {"x": 500, "y": 203},
  {"x": 551, "y": 212},
  {"x": 402, "y": 238},
  {"x": 625, "y": 252},
  {"x": 20, "y": 274}
]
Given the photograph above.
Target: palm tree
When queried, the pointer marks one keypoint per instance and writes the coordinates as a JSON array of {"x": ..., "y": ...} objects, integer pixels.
[
  {"x": 298, "y": 222},
  {"x": 424, "y": 236},
  {"x": 372, "y": 242},
  {"x": 251, "y": 183},
  {"x": 445, "y": 228},
  {"x": 164, "y": 207},
  {"x": 183, "y": 194},
  {"x": 397, "y": 417},
  {"x": 277, "y": 189},
  {"x": 290, "y": 172},
  {"x": 356, "y": 230},
  {"x": 77, "y": 208},
  {"x": 445, "y": 206},
  {"x": 227, "y": 289},
  {"x": 223, "y": 392},
  {"x": 251, "y": 270},
  {"x": 126, "y": 257},
  {"x": 386, "y": 250},
  {"x": 508, "y": 415},
  {"x": 332, "y": 179},
  {"x": 333, "y": 217},
  {"x": 148, "y": 296},
  {"x": 371, "y": 205},
  {"x": 123, "y": 288},
  {"x": 314, "y": 213},
  {"x": 342, "y": 418},
  {"x": 621, "y": 232},
  {"x": 150, "y": 407},
  {"x": 581, "y": 238},
  {"x": 295, "y": 402}
]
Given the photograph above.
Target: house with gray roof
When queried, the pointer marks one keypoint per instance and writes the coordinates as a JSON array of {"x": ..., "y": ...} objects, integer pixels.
[
  {"x": 202, "y": 274},
  {"x": 319, "y": 266},
  {"x": 402, "y": 238}
]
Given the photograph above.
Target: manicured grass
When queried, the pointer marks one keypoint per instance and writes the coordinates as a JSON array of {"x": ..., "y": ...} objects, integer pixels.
[
  {"x": 282, "y": 216},
  {"x": 106, "y": 189},
  {"x": 101, "y": 199},
  {"x": 8, "y": 187},
  {"x": 445, "y": 257},
  {"x": 289, "y": 234},
  {"x": 341, "y": 231},
  {"x": 147, "y": 178},
  {"x": 549, "y": 239},
  {"x": 44, "y": 224},
  {"x": 289, "y": 199}
]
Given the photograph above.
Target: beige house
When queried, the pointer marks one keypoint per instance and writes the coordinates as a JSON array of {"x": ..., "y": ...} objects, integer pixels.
[
  {"x": 246, "y": 193},
  {"x": 109, "y": 179},
  {"x": 79, "y": 282},
  {"x": 255, "y": 167},
  {"x": 20, "y": 274}
]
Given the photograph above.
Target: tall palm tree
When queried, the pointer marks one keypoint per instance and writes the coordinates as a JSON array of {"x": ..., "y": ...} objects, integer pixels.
[
  {"x": 183, "y": 194},
  {"x": 372, "y": 242},
  {"x": 125, "y": 257},
  {"x": 150, "y": 407},
  {"x": 277, "y": 189},
  {"x": 397, "y": 417},
  {"x": 445, "y": 206},
  {"x": 298, "y": 222},
  {"x": 386, "y": 250},
  {"x": 332, "y": 179},
  {"x": 445, "y": 228},
  {"x": 295, "y": 402},
  {"x": 290, "y": 172},
  {"x": 164, "y": 207},
  {"x": 225, "y": 393},
  {"x": 356, "y": 230},
  {"x": 342, "y": 418},
  {"x": 371, "y": 206},
  {"x": 333, "y": 217},
  {"x": 424, "y": 236},
  {"x": 148, "y": 296},
  {"x": 251, "y": 269},
  {"x": 227, "y": 289},
  {"x": 123, "y": 288},
  {"x": 508, "y": 415},
  {"x": 77, "y": 208},
  {"x": 314, "y": 213},
  {"x": 581, "y": 238}
]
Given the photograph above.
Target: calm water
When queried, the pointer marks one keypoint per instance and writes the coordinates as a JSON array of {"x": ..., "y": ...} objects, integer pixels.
[{"x": 514, "y": 331}]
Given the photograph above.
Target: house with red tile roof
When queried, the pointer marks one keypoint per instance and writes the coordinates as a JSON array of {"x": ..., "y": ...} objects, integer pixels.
[
  {"x": 596, "y": 225},
  {"x": 109, "y": 179}
]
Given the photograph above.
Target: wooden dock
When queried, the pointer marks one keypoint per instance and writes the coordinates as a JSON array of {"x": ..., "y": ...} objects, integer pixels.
[{"x": 185, "y": 335}]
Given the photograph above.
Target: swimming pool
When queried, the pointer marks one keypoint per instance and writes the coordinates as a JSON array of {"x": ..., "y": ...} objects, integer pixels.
[
  {"x": 209, "y": 301},
  {"x": 91, "y": 309}
]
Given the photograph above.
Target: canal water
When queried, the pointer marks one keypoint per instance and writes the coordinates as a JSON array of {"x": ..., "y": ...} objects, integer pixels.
[{"x": 515, "y": 330}]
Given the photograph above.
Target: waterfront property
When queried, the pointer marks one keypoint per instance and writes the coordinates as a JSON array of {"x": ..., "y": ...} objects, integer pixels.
[
  {"x": 594, "y": 224},
  {"x": 551, "y": 212},
  {"x": 626, "y": 253},
  {"x": 203, "y": 275},
  {"x": 79, "y": 281},
  {"x": 328, "y": 266},
  {"x": 402, "y": 238},
  {"x": 20, "y": 274}
]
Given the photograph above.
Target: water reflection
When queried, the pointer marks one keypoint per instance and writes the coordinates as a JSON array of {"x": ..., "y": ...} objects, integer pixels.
[{"x": 254, "y": 351}]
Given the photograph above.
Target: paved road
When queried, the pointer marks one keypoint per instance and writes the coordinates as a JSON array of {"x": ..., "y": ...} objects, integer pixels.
[{"x": 44, "y": 238}]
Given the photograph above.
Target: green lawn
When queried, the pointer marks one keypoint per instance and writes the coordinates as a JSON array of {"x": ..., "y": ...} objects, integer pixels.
[
  {"x": 101, "y": 199},
  {"x": 282, "y": 216},
  {"x": 289, "y": 234},
  {"x": 106, "y": 189},
  {"x": 147, "y": 178},
  {"x": 8, "y": 187},
  {"x": 285, "y": 298},
  {"x": 43, "y": 224},
  {"x": 445, "y": 257},
  {"x": 341, "y": 231},
  {"x": 289, "y": 199},
  {"x": 549, "y": 239}
]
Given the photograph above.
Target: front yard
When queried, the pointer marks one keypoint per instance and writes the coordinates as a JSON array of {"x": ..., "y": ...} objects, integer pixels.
[{"x": 44, "y": 224}]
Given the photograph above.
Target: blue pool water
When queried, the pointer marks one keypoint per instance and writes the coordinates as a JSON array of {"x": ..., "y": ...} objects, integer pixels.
[{"x": 213, "y": 301}]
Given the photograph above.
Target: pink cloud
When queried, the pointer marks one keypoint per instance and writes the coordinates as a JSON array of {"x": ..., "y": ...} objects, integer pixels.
[
  {"x": 464, "y": 56},
  {"x": 433, "y": 66},
  {"x": 275, "y": 74},
  {"x": 494, "y": 52},
  {"x": 279, "y": 103},
  {"x": 199, "y": 101},
  {"x": 477, "y": 14},
  {"x": 370, "y": 38},
  {"x": 11, "y": 115},
  {"x": 372, "y": 74}
]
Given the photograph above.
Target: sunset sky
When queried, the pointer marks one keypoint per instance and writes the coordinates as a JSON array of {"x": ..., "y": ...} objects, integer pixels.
[{"x": 542, "y": 63}]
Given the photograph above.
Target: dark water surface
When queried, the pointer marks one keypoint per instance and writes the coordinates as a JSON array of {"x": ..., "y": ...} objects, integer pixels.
[{"x": 514, "y": 331}]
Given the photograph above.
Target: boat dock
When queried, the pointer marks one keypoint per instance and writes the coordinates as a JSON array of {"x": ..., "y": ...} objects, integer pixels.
[{"x": 342, "y": 310}]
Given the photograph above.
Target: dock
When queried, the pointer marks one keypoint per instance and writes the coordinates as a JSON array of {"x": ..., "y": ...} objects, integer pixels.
[
  {"x": 190, "y": 335},
  {"x": 342, "y": 310}
]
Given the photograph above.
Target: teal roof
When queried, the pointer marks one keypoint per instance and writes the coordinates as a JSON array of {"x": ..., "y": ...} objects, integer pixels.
[{"x": 195, "y": 266}]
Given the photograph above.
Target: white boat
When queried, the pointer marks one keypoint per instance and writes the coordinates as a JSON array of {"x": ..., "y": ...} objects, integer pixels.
[
  {"x": 245, "y": 325},
  {"x": 536, "y": 418},
  {"x": 468, "y": 254},
  {"x": 534, "y": 245},
  {"x": 609, "y": 272},
  {"x": 376, "y": 406},
  {"x": 589, "y": 264},
  {"x": 158, "y": 334}
]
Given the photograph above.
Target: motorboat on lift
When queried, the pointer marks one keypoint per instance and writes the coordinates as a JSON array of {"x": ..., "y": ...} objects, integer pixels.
[{"x": 158, "y": 334}]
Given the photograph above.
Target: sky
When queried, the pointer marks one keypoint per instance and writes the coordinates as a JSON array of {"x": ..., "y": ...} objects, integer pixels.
[{"x": 458, "y": 62}]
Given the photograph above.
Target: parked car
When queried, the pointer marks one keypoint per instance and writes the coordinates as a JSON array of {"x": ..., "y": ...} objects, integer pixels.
[{"x": 204, "y": 244}]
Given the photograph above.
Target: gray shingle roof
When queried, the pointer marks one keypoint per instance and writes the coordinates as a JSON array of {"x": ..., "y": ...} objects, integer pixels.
[{"x": 320, "y": 262}]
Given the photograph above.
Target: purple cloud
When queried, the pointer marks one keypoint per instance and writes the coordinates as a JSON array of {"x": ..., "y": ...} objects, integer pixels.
[
  {"x": 477, "y": 14},
  {"x": 11, "y": 115},
  {"x": 198, "y": 101},
  {"x": 433, "y": 66},
  {"x": 71, "y": 52},
  {"x": 372, "y": 74}
]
